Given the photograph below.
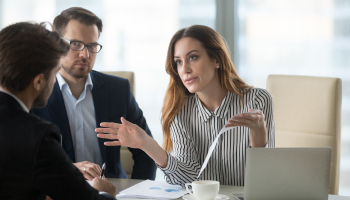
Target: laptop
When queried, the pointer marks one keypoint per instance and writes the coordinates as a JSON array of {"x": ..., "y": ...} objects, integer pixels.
[{"x": 287, "y": 173}]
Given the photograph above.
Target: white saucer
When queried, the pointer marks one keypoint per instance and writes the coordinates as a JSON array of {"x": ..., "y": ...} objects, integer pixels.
[{"x": 218, "y": 197}]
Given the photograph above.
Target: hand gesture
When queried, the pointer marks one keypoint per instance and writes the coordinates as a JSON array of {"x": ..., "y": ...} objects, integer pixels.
[
  {"x": 255, "y": 122},
  {"x": 127, "y": 134}
]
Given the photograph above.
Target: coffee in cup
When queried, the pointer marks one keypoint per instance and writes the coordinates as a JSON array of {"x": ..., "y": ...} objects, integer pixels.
[{"x": 204, "y": 190}]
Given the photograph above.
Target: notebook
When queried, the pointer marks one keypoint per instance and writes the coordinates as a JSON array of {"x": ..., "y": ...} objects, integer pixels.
[{"x": 287, "y": 173}]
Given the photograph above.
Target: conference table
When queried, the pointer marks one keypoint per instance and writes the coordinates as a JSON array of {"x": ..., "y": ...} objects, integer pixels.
[{"x": 228, "y": 190}]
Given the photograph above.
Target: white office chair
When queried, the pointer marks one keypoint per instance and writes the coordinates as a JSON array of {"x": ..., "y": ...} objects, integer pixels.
[
  {"x": 307, "y": 112},
  {"x": 125, "y": 154}
]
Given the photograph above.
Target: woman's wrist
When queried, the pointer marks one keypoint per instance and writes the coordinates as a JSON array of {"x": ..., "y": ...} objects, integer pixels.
[
  {"x": 157, "y": 153},
  {"x": 258, "y": 138},
  {"x": 148, "y": 142}
]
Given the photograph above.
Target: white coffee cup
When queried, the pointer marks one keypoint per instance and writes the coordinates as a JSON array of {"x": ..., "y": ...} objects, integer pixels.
[{"x": 204, "y": 190}]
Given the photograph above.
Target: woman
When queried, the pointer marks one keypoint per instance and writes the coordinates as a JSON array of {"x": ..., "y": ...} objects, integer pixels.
[{"x": 204, "y": 92}]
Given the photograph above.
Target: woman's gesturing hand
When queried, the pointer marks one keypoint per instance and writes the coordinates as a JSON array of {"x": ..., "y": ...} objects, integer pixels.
[
  {"x": 125, "y": 134},
  {"x": 256, "y": 124},
  {"x": 130, "y": 135}
]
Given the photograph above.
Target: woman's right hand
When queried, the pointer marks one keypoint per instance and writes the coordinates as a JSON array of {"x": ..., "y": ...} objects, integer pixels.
[
  {"x": 131, "y": 135},
  {"x": 128, "y": 134}
]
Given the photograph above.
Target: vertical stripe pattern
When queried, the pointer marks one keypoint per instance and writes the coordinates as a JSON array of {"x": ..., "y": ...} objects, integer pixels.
[{"x": 194, "y": 129}]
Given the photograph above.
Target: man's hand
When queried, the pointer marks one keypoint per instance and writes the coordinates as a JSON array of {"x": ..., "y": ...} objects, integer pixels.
[
  {"x": 89, "y": 170},
  {"x": 103, "y": 185}
]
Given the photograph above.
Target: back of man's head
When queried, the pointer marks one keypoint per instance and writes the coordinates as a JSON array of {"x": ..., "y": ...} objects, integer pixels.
[
  {"x": 82, "y": 15},
  {"x": 27, "y": 50}
]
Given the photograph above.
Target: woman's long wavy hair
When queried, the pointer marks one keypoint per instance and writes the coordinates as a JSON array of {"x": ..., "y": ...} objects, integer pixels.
[{"x": 176, "y": 93}]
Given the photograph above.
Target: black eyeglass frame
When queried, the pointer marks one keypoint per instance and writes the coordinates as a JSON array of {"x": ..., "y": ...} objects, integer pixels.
[{"x": 84, "y": 45}]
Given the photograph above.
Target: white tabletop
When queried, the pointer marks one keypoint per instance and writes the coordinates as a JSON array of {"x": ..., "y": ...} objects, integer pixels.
[{"x": 228, "y": 190}]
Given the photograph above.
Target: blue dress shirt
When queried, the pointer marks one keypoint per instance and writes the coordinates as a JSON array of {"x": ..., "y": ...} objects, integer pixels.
[
  {"x": 112, "y": 99},
  {"x": 82, "y": 121}
]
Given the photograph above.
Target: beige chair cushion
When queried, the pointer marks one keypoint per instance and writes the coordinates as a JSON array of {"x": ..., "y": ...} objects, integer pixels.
[
  {"x": 125, "y": 155},
  {"x": 307, "y": 113},
  {"x": 124, "y": 74},
  {"x": 126, "y": 160}
]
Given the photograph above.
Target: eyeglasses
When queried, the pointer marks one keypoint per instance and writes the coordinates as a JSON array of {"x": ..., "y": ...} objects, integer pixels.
[{"x": 79, "y": 46}]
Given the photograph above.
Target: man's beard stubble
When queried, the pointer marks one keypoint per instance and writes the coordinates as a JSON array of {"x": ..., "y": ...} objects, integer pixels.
[{"x": 70, "y": 70}]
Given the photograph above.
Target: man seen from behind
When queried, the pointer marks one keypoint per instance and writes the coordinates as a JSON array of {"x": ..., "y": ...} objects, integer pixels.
[{"x": 32, "y": 162}]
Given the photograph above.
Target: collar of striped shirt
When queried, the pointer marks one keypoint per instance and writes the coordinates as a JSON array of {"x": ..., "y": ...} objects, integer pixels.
[{"x": 219, "y": 111}]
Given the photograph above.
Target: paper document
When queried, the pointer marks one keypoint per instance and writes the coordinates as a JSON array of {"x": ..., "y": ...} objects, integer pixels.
[
  {"x": 213, "y": 145},
  {"x": 153, "y": 190}
]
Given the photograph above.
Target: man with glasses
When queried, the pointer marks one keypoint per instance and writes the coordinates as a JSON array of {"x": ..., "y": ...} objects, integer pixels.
[{"x": 83, "y": 98}]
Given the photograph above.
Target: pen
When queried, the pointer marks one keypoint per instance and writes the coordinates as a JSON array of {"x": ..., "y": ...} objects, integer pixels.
[{"x": 103, "y": 170}]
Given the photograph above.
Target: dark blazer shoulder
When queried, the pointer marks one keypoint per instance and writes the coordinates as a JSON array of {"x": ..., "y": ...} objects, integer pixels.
[{"x": 39, "y": 128}]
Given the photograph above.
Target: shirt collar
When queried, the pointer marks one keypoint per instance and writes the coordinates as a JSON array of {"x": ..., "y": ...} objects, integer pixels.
[
  {"x": 219, "y": 111},
  {"x": 17, "y": 99},
  {"x": 62, "y": 82}
]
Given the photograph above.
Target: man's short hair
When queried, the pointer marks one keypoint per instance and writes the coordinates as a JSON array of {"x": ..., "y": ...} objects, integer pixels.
[
  {"x": 27, "y": 50},
  {"x": 82, "y": 15}
]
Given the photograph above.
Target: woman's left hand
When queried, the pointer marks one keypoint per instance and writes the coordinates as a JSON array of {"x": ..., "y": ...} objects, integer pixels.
[{"x": 255, "y": 122}]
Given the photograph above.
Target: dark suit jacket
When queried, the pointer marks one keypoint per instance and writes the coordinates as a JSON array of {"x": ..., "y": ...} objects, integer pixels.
[
  {"x": 32, "y": 161},
  {"x": 112, "y": 100}
]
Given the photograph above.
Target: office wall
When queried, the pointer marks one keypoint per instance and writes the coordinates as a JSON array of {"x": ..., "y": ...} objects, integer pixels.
[{"x": 297, "y": 37}]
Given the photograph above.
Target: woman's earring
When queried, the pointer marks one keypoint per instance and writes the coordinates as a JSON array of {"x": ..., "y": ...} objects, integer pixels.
[{"x": 217, "y": 66}]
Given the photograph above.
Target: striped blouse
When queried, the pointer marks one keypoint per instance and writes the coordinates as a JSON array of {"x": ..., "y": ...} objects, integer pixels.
[{"x": 194, "y": 129}]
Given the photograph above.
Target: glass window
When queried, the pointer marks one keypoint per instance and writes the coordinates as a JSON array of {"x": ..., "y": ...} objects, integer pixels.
[{"x": 298, "y": 37}]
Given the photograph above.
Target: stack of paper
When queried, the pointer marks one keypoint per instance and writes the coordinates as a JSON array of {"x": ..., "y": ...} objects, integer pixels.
[{"x": 153, "y": 190}]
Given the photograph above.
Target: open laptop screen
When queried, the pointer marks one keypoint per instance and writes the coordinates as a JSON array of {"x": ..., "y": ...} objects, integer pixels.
[{"x": 287, "y": 173}]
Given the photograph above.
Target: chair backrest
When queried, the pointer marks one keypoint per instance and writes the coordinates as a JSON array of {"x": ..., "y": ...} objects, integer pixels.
[
  {"x": 307, "y": 113},
  {"x": 124, "y": 74},
  {"x": 125, "y": 155}
]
